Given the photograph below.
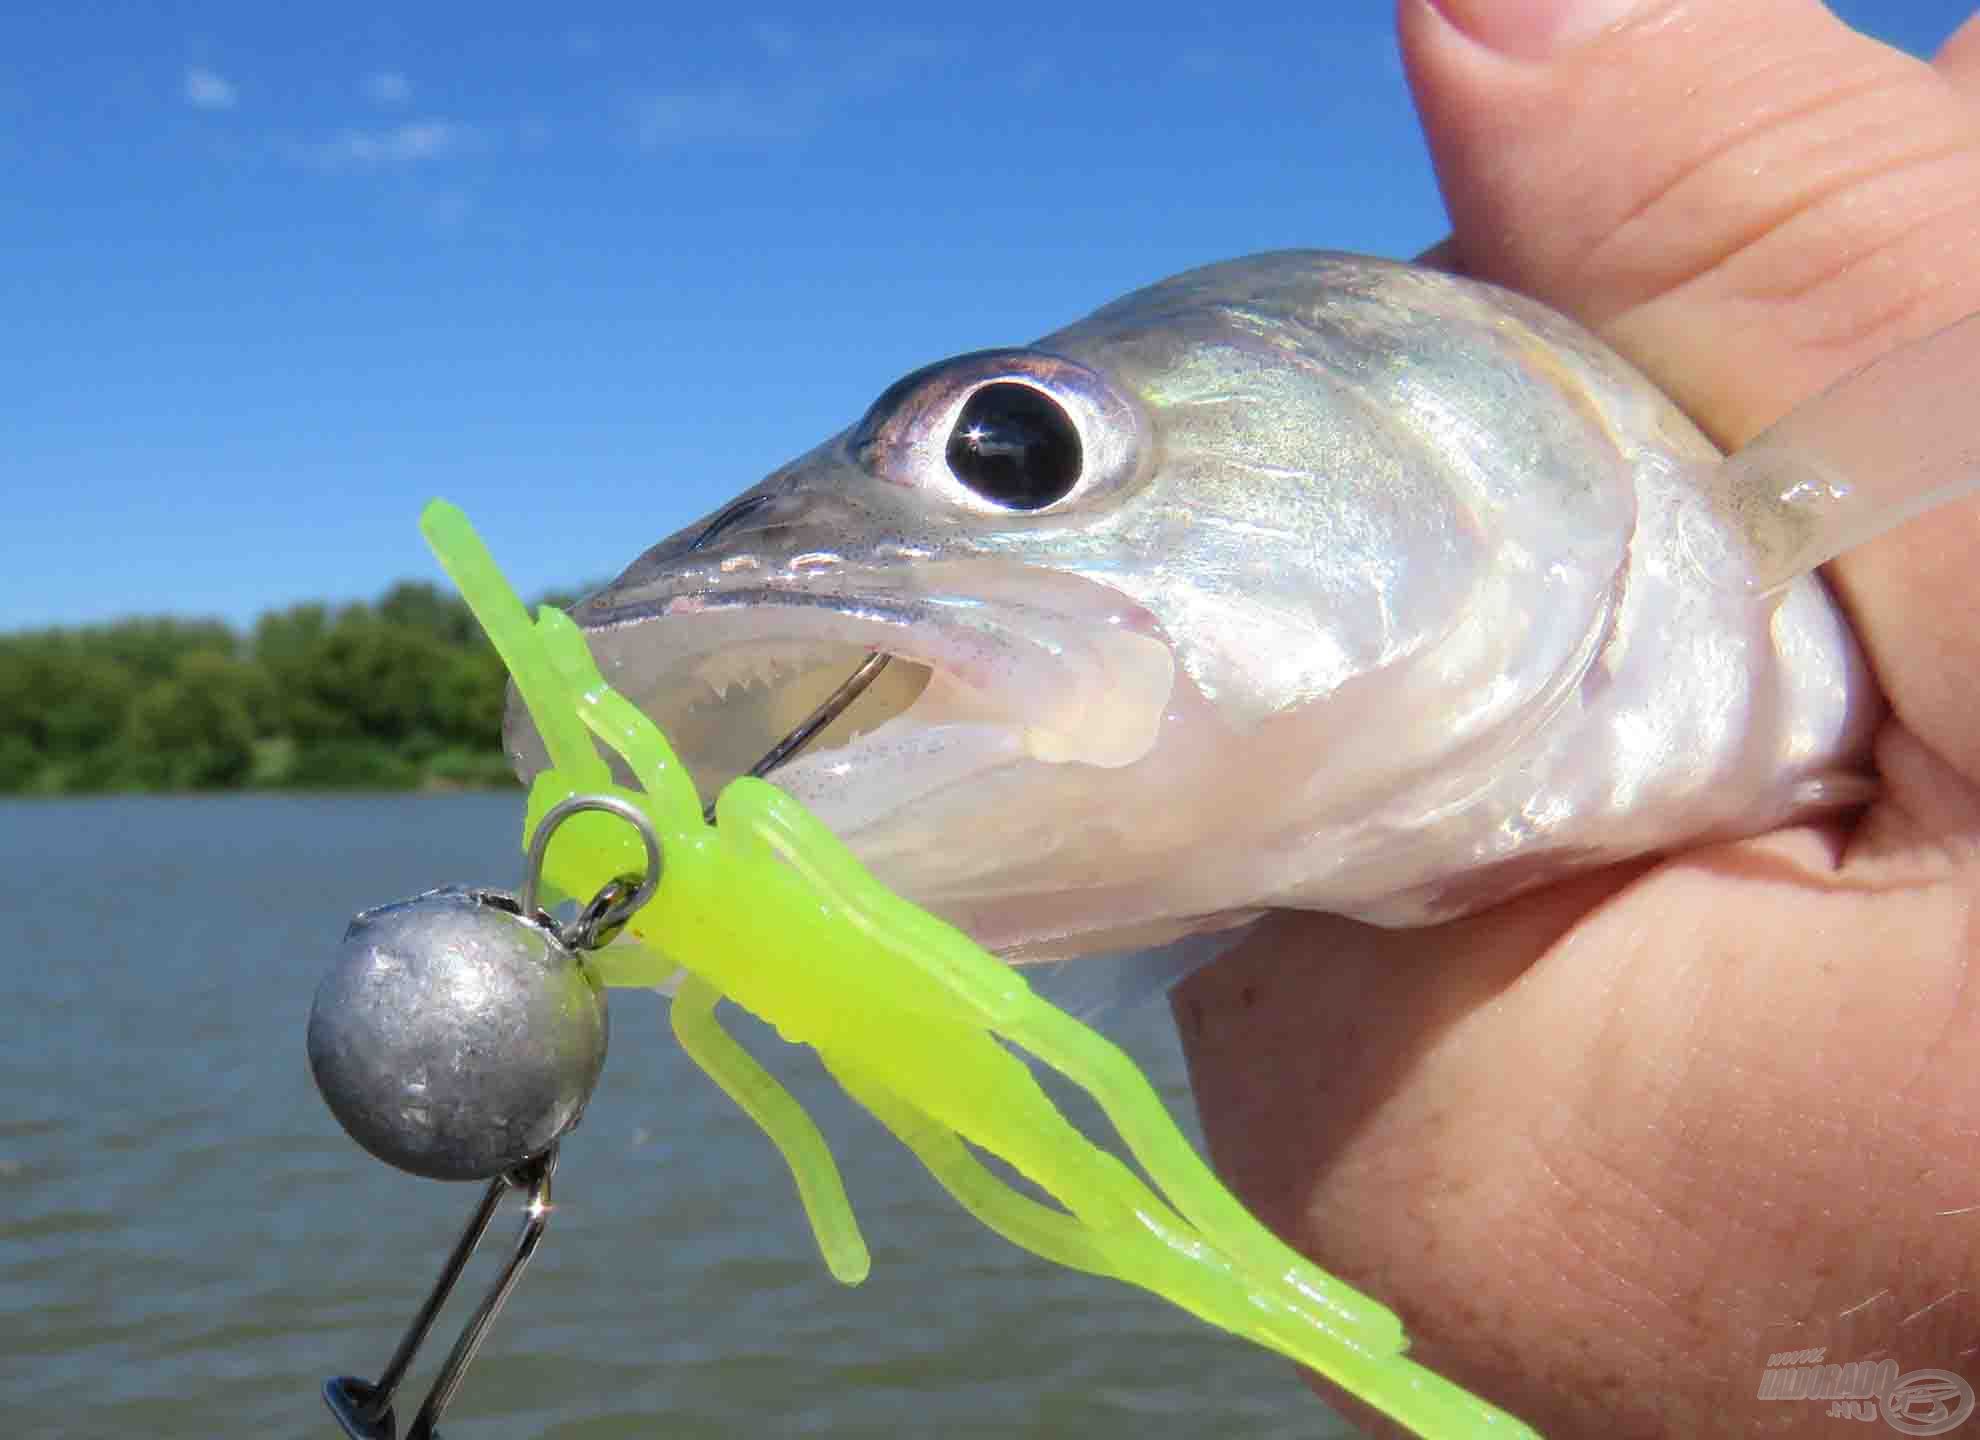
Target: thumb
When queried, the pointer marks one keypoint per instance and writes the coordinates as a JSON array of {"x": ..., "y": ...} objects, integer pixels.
[{"x": 1745, "y": 196}]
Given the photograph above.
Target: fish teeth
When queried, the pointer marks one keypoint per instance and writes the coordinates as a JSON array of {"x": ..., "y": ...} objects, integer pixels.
[{"x": 744, "y": 667}]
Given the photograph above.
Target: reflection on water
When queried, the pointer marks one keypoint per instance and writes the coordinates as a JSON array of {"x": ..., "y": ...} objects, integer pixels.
[{"x": 189, "y": 1245}]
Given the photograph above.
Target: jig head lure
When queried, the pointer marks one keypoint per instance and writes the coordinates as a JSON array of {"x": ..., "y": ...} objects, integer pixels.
[
  {"x": 759, "y": 903},
  {"x": 459, "y": 1037},
  {"x": 487, "y": 1000}
]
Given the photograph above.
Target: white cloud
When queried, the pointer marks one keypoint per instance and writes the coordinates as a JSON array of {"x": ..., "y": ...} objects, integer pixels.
[
  {"x": 792, "y": 107},
  {"x": 413, "y": 143},
  {"x": 206, "y": 90},
  {"x": 387, "y": 87}
]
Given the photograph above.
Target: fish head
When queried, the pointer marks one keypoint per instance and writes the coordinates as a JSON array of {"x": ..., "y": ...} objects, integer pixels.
[{"x": 1154, "y": 587}]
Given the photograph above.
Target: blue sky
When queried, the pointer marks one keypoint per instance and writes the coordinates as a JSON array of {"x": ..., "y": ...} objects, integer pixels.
[{"x": 272, "y": 276}]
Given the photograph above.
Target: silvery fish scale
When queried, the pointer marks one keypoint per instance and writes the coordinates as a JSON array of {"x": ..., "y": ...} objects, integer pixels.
[{"x": 1377, "y": 591}]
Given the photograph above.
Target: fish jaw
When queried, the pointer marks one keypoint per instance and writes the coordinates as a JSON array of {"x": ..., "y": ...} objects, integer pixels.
[{"x": 995, "y": 696}]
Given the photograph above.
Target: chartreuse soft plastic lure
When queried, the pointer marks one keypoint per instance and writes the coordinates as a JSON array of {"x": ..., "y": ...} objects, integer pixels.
[{"x": 767, "y": 909}]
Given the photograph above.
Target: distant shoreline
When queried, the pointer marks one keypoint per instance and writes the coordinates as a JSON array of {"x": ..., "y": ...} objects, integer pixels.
[
  {"x": 438, "y": 787},
  {"x": 402, "y": 694}
]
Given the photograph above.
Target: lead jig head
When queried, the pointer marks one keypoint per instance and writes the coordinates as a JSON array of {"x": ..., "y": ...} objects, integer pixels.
[{"x": 459, "y": 1036}]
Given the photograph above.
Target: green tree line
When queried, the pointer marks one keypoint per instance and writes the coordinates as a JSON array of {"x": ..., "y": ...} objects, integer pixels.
[{"x": 400, "y": 693}]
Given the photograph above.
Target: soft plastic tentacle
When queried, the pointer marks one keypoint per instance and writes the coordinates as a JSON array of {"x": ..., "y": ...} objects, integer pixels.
[
  {"x": 1024, "y": 1222},
  {"x": 1131, "y": 1105},
  {"x": 619, "y": 723},
  {"x": 473, "y": 571},
  {"x": 991, "y": 990},
  {"x": 819, "y": 1186}
]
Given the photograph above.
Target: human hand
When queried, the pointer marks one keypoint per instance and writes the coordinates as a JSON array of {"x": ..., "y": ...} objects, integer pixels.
[{"x": 1610, "y": 1146}]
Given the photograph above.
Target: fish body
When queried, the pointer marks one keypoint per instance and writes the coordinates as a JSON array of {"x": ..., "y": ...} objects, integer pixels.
[{"x": 1303, "y": 580}]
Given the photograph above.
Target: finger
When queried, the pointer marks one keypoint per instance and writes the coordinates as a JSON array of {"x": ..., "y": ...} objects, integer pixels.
[
  {"x": 1747, "y": 198},
  {"x": 1959, "y": 59},
  {"x": 1443, "y": 256},
  {"x": 1745, "y": 195}
]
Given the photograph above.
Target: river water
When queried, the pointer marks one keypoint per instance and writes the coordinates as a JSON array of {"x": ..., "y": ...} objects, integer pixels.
[{"x": 189, "y": 1244}]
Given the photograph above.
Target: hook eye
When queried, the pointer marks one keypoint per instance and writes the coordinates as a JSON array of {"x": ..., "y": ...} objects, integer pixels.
[{"x": 539, "y": 846}]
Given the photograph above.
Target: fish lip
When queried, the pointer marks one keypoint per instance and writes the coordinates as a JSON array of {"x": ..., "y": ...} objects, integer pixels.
[
  {"x": 888, "y": 619},
  {"x": 702, "y": 627},
  {"x": 988, "y": 665}
]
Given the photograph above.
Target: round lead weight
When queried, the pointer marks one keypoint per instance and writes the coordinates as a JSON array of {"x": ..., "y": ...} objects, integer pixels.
[{"x": 455, "y": 1037}]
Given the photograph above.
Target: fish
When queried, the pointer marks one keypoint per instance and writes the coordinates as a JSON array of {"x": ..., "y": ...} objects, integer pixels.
[{"x": 1303, "y": 580}]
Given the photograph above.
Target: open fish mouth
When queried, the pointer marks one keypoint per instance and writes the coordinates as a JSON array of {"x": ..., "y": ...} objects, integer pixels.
[{"x": 974, "y": 686}]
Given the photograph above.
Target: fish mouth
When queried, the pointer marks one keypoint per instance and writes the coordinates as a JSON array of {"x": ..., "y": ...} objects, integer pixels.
[{"x": 987, "y": 683}]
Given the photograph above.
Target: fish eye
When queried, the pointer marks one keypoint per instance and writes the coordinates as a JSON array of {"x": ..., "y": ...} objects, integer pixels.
[
  {"x": 1003, "y": 432},
  {"x": 1015, "y": 446}
]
